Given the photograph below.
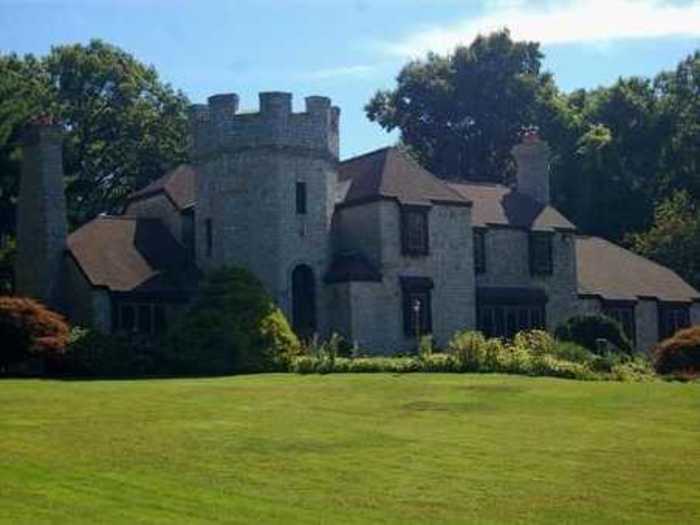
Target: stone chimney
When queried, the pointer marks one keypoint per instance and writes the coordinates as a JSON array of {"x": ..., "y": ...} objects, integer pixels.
[
  {"x": 41, "y": 214},
  {"x": 532, "y": 160}
]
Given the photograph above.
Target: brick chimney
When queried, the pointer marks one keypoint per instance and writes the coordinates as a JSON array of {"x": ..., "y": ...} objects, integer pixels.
[
  {"x": 41, "y": 214},
  {"x": 532, "y": 160}
]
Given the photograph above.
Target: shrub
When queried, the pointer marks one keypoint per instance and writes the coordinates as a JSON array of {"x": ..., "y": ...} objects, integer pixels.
[
  {"x": 233, "y": 326},
  {"x": 570, "y": 351},
  {"x": 469, "y": 349},
  {"x": 538, "y": 342},
  {"x": 679, "y": 354},
  {"x": 29, "y": 329},
  {"x": 637, "y": 369},
  {"x": 91, "y": 353},
  {"x": 586, "y": 330}
]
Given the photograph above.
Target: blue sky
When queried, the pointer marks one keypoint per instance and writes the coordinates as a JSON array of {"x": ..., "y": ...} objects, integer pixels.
[{"x": 347, "y": 49}]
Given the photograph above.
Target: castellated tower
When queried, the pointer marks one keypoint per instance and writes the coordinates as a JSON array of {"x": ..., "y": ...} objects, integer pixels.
[
  {"x": 266, "y": 194},
  {"x": 41, "y": 215}
]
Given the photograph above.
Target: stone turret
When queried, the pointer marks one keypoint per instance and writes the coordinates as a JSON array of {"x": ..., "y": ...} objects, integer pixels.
[
  {"x": 266, "y": 191},
  {"x": 532, "y": 159},
  {"x": 41, "y": 214}
]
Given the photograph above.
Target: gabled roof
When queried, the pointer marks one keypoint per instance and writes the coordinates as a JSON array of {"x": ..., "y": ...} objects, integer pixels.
[
  {"x": 179, "y": 185},
  {"x": 126, "y": 254},
  {"x": 389, "y": 173},
  {"x": 496, "y": 204},
  {"x": 613, "y": 273}
]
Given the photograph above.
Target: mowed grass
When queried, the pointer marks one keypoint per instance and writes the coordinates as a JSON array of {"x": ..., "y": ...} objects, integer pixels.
[{"x": 349, "y": 449}]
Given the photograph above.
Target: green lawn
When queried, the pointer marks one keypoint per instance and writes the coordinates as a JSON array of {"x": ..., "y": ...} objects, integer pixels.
[{"x": 357, "y": 448}]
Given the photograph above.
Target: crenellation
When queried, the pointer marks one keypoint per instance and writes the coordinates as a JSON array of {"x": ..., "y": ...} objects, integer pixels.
[
  {"x": 275, "y": 106},
  {"x": 220, "y": 128},
  {"x": 222, "y": 107}
]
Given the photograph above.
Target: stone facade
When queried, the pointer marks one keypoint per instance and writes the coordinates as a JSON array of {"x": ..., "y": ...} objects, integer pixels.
[
  {"x": 250, "y": 166},
  {"x": 508, "y": 265},
  {"x": 374, "y": 229}
]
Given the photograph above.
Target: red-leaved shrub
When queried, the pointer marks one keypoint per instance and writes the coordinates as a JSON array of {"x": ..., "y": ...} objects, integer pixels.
[
  {"x": 29, "y": 329},
  {"x": 679, "y": 354}
]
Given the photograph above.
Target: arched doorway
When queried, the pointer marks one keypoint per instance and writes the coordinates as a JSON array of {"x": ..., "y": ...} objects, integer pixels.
[{"x": 303, "y": 301}]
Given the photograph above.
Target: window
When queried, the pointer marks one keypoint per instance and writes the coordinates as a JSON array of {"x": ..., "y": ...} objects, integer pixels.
[
  {"x": 301, "y": 198},
  {"x": 417, "y": 308},
  {"x": 623, "y": 313},
  {"x": 127, "y": 318},
  {"x": 209, "y": 237},
  {"x": 505, "y": 311},
  {"x": 414, "y": 230},
  {"x": 504, "y": 320},
  {"x": 672, "y": 317},
  {"x": 540, "y": 253},
  {"x": 479, "y": 251},
  {"x": 143, "y": 318}
]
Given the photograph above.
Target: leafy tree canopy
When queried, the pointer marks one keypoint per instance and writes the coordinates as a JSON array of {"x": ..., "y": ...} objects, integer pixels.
[
  {"x": 124, "y": 126},
  {"x": 674, "y": 238},
  {"x": 461, "y": 114}
]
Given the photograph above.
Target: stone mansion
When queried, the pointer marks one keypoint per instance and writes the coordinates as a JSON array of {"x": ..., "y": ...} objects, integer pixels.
[{"x": 374, "y": 248}]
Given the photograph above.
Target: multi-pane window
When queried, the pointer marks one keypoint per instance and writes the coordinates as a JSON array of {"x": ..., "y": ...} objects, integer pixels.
[
  {"x": 301, "y": 198},
  {"x": 414, "y": 230},
  {"x": 143, "y": 318},
  {"x": 417, "y": 308},
  {"x": 540, "y": 253},
  {"x": 506, "y": 320},
  {"x": 623, "y": 313},
  {"x": 209, "y": 233},
  {"x": 672, "y": 317},
  {"x": 479, "y": 251}
]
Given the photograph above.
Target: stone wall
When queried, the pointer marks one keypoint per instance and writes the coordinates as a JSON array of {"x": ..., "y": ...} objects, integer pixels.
[
  {"x": 695, "y": 314},
  {"x": 377, "y": 308},
  {"x": 249, "y": 167},
  {"x": 508, "y": 264},
  {"x": 85, "y": 306}
]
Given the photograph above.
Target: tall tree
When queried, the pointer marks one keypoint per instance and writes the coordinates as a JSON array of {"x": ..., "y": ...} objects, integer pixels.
[
  {"x": 461, "y": 114},
  {"x": 674, "y": 238},
  {"x": 124, "y": 126},
  {"x": 619, "y": 136}
]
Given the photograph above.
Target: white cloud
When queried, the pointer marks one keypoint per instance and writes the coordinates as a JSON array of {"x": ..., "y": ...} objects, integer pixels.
[
  {"x": 575, "y": 21},
  {"x": 336, "y": 72}
]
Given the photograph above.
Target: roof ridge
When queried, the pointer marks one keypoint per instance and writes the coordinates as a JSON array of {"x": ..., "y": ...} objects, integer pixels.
[
  {"x": 458, "y": 182},
  {"x": 373, "y": 152}
]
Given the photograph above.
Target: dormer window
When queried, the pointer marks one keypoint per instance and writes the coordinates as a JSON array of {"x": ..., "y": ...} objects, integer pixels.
[
  {"x": 301, "y": 198},
  {"x": 414, "y": 230},
  {"x": 541, "y": 253}
]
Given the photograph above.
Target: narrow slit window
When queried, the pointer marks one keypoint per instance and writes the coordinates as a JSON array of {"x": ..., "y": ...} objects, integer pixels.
[
  {"x": 301, "y": 198},
  {"x": 209, "y": 237}
]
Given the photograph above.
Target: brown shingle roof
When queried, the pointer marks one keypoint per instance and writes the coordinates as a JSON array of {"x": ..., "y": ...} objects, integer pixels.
[
  {"x": 496, "y": 204},
  {"x": 179, "y": 185},
  {"x": 391, "y": 174},
  {"x": 132, "y": 255},
  {"x": 613, "y": 273}
]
